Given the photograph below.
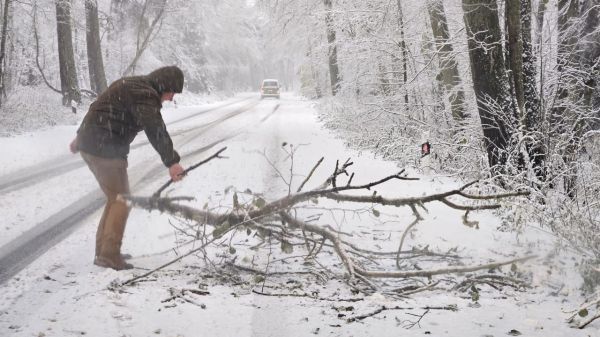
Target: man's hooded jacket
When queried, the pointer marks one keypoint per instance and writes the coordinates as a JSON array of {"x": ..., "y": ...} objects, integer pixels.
[{"x": 128, "y": 106}]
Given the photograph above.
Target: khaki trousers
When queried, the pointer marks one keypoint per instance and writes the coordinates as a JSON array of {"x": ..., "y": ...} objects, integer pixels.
[{"x": 111, "y": 175}]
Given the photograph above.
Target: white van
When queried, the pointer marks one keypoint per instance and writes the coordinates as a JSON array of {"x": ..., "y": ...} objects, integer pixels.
[{"x": 269, "y": 88}]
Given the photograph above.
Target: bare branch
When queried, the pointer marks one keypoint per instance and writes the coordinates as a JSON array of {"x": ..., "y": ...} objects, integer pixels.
[
  {"x": 429, "y": 273},
  {"x": 310, "y": 174},
  {"x": 163, "y": 187},
  {"x": 384, "y": 308},
  {"x": 181, "y": 257}
]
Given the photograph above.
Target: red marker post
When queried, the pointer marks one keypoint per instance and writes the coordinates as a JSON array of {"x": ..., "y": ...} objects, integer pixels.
[{"x": 425, "y": 149}]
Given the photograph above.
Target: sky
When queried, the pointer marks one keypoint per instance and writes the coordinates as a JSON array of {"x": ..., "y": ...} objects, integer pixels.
[{"x": 61, "y": 293}]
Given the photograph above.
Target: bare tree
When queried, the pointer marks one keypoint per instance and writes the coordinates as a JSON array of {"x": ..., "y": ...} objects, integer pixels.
[
  {"x": 4, "y": 33},
  {"x": 144, "y": 34},
  {"x": 533, "y": 119},
  {"x": 94, "y": 47},
  {"x": 403, "y": 50},
  {"x": 449, "y": 77},
  {"x": 490, "y": 84},
  {"x": 541, "y": 11},
  {"x": 515, "y": 52},
  {"x": 563, "y": 114},
  {"x": 313, "y": 74},
  {"x": 590, "y": 58},
  {"x": 66, "y": 59},
  {"x": 334, "y": 72},
  {"x": 521, "y": 63},
  {"x": 36, "y": 38}
]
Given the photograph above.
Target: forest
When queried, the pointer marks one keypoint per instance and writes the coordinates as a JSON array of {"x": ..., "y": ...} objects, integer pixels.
[{"x": 503, "y": 91}]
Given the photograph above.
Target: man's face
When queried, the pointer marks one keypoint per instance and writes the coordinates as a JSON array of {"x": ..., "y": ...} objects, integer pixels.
[{"x": 167, "y": 96}]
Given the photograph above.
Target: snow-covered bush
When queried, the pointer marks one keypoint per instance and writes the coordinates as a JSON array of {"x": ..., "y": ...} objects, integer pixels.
[{"x": 33, "y": 108}]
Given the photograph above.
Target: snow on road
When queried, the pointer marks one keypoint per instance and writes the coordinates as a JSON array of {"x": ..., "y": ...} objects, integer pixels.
[{"x": 62, "y": 293}]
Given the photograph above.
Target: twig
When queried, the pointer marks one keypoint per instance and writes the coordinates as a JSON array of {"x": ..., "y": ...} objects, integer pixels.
[
  {"x": 588, "y": 321},
  {"x": 181, "y": 257},
  {"x": 290, "y": 200},
  {"x": 408, "y": 229},
  {"x": 441, "y": 197},
  {"x": 584, "y": 307},
  {"x": 263, "y": 273},
  {"x": 346, "y": 260},
  {"x": 353, "y": 269},
  {"x": 309, "y": 296},
  {"x": 490, "y": 280},
  {"x": 180, "y": 293},
  {"x": 337, "y": 171},
  {"x": 314, "y": 253},
  {"x": 418, "y": 322},
  {"x": 163, "y": 187},
  {"x": 420, "y": 289},
  {"x": 268, "y": 262},
  {"x": 429, "y": 273},
  {"x": 310, "y": 174},
  {"x": 384, "y": 308}
]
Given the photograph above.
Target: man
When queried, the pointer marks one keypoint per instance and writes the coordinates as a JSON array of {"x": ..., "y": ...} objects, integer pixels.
[{"x": 128, "y": 106}]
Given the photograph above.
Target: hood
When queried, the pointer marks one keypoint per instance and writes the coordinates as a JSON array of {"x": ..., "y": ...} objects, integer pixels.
[{"x": 167, "y": 79}]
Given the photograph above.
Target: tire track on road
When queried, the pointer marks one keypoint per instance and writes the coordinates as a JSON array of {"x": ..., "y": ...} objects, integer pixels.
[
  {"x": 65, "y": 164},
  {"x": 20, "y": 252}
]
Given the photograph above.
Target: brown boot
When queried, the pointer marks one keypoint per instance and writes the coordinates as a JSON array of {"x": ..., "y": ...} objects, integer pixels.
[
  {"x": 100, "y": 230},
  {"x": 116, "y": 264},
  {"x": 112, "y": 237},
  {"x": 124, "y": 256}
]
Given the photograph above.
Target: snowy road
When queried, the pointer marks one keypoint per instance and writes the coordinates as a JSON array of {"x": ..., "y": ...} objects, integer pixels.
[
  {"x": 61, "y": 293},
  {"x": 18, "y": 252}
]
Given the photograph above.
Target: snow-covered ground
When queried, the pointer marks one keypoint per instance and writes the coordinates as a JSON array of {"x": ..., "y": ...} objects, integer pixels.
[{"x": 62, "y": 293}]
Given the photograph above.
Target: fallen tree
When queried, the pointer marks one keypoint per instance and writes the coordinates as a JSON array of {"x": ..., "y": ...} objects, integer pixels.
[{"x": 281, "y": 222}]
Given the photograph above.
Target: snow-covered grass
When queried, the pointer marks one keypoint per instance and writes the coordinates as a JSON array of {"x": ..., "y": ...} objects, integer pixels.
[
  {"x": 62, "y": 293},
  {"x": 33, "y": 109}
]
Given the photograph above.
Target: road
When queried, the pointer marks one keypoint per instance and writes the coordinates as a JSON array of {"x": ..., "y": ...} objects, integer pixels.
[{"x": 190, "y": 133}]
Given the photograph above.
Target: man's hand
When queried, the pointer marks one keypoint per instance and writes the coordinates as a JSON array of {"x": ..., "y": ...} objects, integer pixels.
[
  {"x": 176, "y": 172},
  {"x": 74, "y": 147}
]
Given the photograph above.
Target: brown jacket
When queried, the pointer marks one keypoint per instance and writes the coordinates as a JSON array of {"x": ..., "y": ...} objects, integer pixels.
[{"x": 128, "y": 106}]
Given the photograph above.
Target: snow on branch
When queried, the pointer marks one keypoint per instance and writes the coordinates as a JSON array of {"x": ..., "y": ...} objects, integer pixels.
[{"x": 279, "y": 221}]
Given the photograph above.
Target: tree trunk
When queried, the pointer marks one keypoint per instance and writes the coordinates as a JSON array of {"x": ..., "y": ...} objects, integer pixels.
[
  {"x": 404, "y": 52},
  {"x": 590, "y": 52},
  {"x": 533, "y": 111},
  {"x": 334, "y": 73},
  {"x": 5, "y": 17},
  {"x": 563, "y": 117},
  {"x": 66, "y": 59},
  {"x": 313, "y": 73},
  {"x": 448, "y": 77},
  {"x": 567, "y": 38},
  {"x": 531, "y": 98},
  {"x": 539, "y": 36},
  {"x": 541, "y": 11},
  {"x": 37, "y": 49},
  {"x": 489, "y": 76},
  {"x": 515, "y": 53},
  {"x": 384, "y": 83},
  {"x": 94, "y": 48},
  {"x": 585, "y": 60}
]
